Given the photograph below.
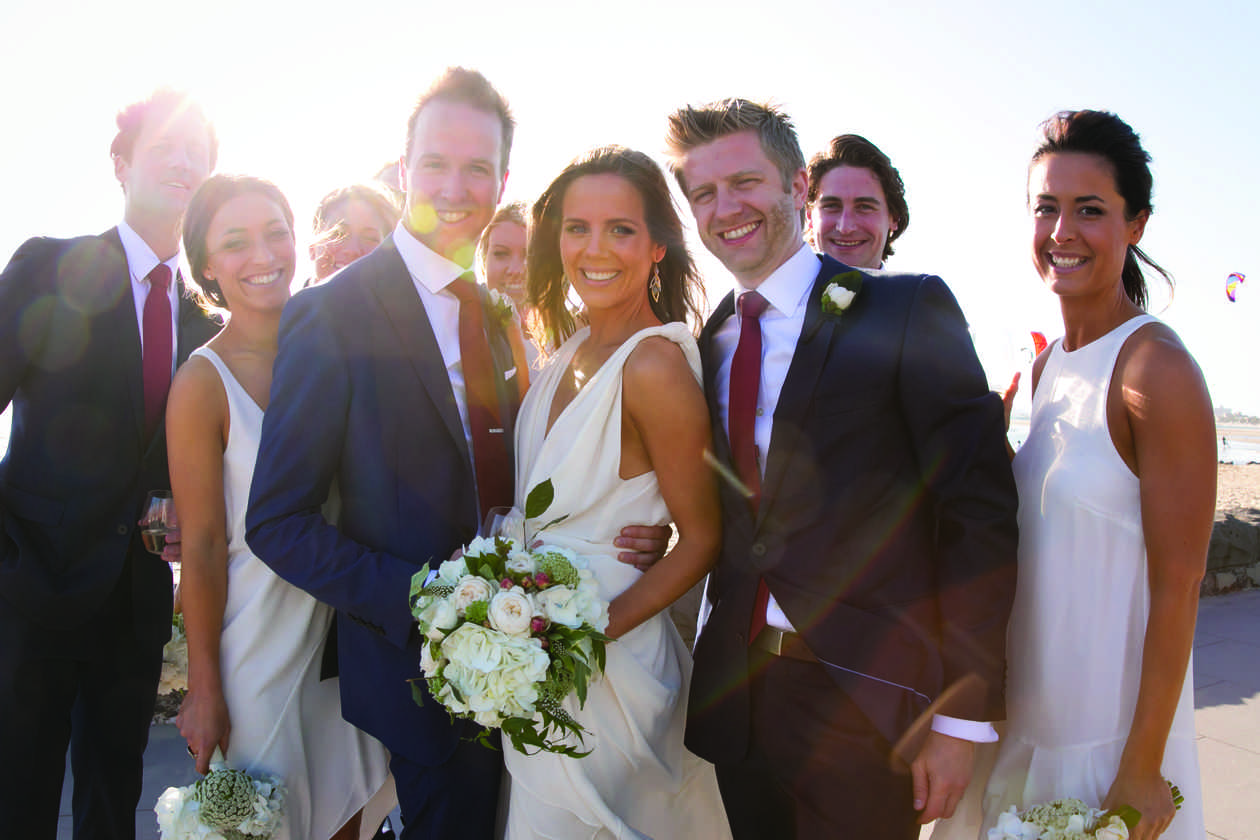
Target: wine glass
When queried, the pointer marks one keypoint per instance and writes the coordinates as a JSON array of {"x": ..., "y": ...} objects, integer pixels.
[
  {"x": 506, "y": 522},
  {"x": 159, "y": 521}
]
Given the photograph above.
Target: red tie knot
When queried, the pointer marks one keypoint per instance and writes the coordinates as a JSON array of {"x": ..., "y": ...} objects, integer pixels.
[
  {"x": 160, "y": 277},
  {"x": 464, "y": 287},
  {"x": 752, "y": 305}
]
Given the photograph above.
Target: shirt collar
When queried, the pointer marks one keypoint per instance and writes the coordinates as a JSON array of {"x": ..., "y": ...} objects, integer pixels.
[
  {"x": 140, "y": 257},
  {"x": 432, "y": 270},
  {"x": 788, "y": 286}
]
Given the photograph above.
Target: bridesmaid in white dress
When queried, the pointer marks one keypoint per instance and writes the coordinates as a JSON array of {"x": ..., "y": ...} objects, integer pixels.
[
  {"x": 618, "y": 423},
  {"x": 255, "y": 643},
  {"x": 1117, "y": 487}
]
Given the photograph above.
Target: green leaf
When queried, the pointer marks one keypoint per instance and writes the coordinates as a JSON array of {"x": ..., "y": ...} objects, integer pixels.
[
  {"x": 539, "y": 499},
  {"x": 417, "y": 693},
  {"x": 1130, "y": 815},
  {"x": 417, "y": 584}
]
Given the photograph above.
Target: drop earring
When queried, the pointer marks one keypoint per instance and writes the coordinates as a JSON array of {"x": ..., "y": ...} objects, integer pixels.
[{"x": 654, "y": 285}]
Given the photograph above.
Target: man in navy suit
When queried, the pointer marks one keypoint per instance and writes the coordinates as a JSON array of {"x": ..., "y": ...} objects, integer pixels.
[
  {"x": 854, "y": 642},
  {"x": 371, "y": 396},
  {"x": 91, "y": 330}
]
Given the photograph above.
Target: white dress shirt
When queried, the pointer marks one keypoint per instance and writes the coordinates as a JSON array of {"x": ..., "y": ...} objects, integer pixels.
[
  {"x": 432, "y": 274},
  {"x": 140, "y": 261},
  {"x": 786, "y": 291}
]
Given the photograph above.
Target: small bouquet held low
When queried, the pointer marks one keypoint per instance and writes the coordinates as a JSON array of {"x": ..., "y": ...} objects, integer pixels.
[
  {"x": 510, "y": 631},
  {"x": 175, "y": 659},
  {"x": 1070, "y": 819},
  {"x": 225, "y": 804}
]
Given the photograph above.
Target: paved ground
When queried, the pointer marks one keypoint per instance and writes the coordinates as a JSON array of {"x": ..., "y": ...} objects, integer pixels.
[{"x": 1227, "y": 699}]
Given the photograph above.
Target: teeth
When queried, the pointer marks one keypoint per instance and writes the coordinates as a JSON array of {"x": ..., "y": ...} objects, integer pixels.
[
  {"x": 450, "y": 217},
  {"x": 1066, "y": 262},
  {"x": 846, "y": 243},
  {"x": 599, "y": 276},
  {"x": 262, "y": 279},
  {"x": 739, "y": 232}
]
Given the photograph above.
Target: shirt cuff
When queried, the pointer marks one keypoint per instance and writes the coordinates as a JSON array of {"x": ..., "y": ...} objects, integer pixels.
[{"x": 977, "y": 731}]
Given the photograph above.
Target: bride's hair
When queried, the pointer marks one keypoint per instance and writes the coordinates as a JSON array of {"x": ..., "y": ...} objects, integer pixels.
[{"x": 547, "y": 286}]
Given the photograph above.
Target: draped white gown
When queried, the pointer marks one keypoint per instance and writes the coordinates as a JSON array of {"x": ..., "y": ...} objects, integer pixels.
[
  {"x": 1081, "y": 605},
  {"x": 285, "y": 720},
  {"x": 639, "y": 781}
]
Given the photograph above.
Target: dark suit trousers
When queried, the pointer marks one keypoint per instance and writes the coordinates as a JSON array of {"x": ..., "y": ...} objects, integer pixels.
[
  {"x": 458, "y": 798},
  {"x": 817, "y": 768},
  {"x": 92, "y": 689}
]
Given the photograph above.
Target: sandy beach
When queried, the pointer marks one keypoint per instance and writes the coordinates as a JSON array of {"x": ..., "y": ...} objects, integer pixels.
[{"x": 1237, "y": 487}]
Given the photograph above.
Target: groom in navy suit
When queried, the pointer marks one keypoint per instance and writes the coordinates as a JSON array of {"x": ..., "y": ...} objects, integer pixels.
[
  {"x": 91, "y": 330},
  {"x": 376, "y": 396},
  {"x": 854, "y": 642}
]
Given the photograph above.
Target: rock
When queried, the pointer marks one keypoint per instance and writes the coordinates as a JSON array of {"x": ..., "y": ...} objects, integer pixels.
[{"x": 1235, "y": 540}]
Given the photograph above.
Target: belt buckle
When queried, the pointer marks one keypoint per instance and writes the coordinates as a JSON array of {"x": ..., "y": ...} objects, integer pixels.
[{"x": 771, "y": 640}]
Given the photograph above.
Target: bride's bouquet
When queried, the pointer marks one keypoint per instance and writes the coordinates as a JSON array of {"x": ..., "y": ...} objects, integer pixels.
[
  {"x": 510, "y": 631},
  {"x": 225, "y": 804},
  {"x": 1069, "y": 819}
]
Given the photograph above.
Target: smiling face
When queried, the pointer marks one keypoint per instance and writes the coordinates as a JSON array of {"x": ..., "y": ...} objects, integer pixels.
[
  {"x": 170, "y": 159},
  {"x": 452, "y": 175},
  {"x": 1080, "y": 233},
  {"x": 505, "y": 260},
  {"x": 850, "y": 220},
  {"x": 251, "y": 253},
  {"x": 354, "y": 229},
  {"x": 743, "y": 213},
  {"x": 605, "y": 247}
]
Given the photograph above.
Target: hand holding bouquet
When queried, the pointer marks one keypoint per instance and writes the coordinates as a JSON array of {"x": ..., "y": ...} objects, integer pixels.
[
  {"x": 509, "y": 633},
  {"x": 1069, "y": 819},
  {"x": 224, "y": 805}
]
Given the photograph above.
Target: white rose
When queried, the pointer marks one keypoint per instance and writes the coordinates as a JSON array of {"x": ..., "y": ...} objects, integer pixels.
[
  {"x": 469, "y": 590},
  {"x": 437, "y": 616},
  {"x": 1115, "y": 829},
  {"x": 452, "y": 570},
  {"x": 176, "y": 812},
  {"x": 428, "y": 665},
  {"x": 473, "y": 647},
  {"x": 511, "y": 611},
  {"x": 557, "y": 605},
  {"x": 522, "y": 563},
  {"x": 840, "y": 296}
]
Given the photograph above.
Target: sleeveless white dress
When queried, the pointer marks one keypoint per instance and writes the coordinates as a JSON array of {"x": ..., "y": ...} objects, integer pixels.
[
  {"x": 639, "y": 781},
  {"x": 285, "y": 720},
  {"x": 1081, "y": 604}
]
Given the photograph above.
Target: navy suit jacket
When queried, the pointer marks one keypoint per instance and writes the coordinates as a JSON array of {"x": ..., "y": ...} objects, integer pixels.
[
  {"x": 361, "y": 403},
  {"x": 886, "y": 528},
  {"x": 79, "y": 464}
]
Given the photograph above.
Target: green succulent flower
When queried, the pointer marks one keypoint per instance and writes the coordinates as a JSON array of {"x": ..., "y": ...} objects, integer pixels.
[
  {"x": 226, "y": 798},
  {"x": 558, "y": 569}
]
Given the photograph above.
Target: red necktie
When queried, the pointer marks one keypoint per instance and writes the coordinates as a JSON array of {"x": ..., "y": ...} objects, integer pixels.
[
  {"x": 156, "y": 364},
  {"x": 742, "y": 420},
  {"x": 491, "y": 464}
]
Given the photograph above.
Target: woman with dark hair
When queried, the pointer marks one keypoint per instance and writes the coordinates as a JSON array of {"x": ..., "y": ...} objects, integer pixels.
[
  {"x": 618, "y": 423},
  {"x": 1117, "y": 488},
  {"x": 350, "y": 222},
  {"x": 255, "y": 643}
]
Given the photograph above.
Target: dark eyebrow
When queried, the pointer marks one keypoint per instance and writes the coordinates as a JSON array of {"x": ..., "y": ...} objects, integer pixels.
[{"x": 1083, "y": 198}]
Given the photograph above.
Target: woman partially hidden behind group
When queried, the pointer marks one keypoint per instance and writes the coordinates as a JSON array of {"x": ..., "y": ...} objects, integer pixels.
[
  {"x": 618, "y": 423},
  {"x": 254, "y": 641},
  {"x": 1117, "y": 485}
]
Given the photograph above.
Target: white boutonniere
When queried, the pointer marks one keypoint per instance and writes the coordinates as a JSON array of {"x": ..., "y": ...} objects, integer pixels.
[
  {"x": 501, "y": 305},
  {"x": 840, "y": 292}
]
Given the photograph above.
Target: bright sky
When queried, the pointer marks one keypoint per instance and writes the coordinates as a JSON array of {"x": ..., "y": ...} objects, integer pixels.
[{"x": 317, "y": 96}]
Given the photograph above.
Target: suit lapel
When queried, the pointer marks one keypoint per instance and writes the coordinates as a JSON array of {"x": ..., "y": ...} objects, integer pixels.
[
  {"x": 818, "y": 333},
  {"x": 709, "y": 365},
  {"x": 124, "y": 331},
  {"x": 393, "y": 287}
]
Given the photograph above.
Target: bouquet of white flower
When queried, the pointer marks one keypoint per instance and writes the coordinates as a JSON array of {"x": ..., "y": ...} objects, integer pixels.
[
  {"x": 224, "y": 805},
  {"x": 1070, "y": 819},
  {"x": 175, "y": 659},
  {"x": 509, "y": 633}
]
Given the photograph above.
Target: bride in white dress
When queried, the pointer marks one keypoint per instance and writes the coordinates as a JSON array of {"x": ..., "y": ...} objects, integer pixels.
[
  {"x": 618, "y": 423},
  {"x": 255, "y": 643}
]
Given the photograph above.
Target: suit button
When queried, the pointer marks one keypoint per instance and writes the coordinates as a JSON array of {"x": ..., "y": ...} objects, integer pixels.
[
  {"x": 759, "y": 549},
  {"x": 122, "y": 530}
]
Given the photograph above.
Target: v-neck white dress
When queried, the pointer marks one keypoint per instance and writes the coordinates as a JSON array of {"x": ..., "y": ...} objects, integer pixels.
[
  {"x": 285, "y": 719},
  {"x": 639, "y": 781}
]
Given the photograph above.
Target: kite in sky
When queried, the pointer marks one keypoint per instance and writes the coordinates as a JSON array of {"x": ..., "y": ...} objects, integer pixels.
[{"x": 1232, "y": 282}]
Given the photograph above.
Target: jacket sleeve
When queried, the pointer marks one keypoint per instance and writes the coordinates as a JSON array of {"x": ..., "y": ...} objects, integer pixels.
[
  {"x": 957, "y": 430},
  {"x": 303, "y": 438}
]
